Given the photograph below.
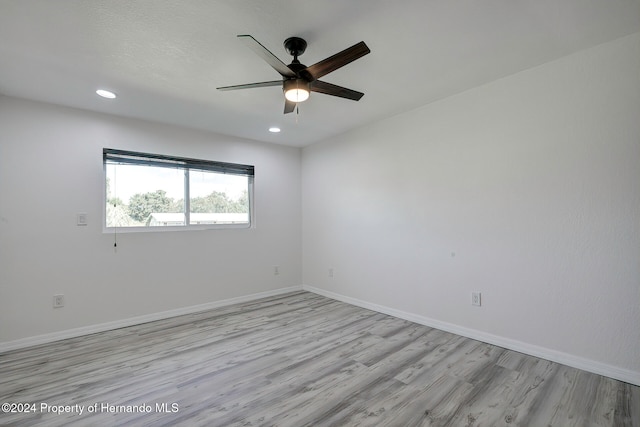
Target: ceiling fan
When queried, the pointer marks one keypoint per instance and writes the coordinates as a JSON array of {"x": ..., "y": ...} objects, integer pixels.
[{"x": 298, "y": 79}]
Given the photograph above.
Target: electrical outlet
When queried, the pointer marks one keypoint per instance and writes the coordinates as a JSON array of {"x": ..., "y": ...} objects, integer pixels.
[
  {"x": 476, "y": 298},
  {"x": 276, "y": 270},
  {"x": 331, "y": 272},
  {"x": 58, "y": 301}
]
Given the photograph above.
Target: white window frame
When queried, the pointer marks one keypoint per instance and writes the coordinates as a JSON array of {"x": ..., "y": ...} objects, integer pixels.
[{"x": 114, "y": 156}]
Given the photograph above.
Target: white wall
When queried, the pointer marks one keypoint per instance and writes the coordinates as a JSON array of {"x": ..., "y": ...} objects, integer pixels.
[
  {"x": 533, "y": 181},
  {"x": 51, "y": 169}
]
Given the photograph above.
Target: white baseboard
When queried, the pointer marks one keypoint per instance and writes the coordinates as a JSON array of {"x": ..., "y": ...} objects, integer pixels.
[
  {"x": 117, "y": 324},
  {"x": 574, "y": 361}
]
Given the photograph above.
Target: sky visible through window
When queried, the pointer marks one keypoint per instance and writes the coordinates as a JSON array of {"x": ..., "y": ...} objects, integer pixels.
[{"x": 134, "y": 179}]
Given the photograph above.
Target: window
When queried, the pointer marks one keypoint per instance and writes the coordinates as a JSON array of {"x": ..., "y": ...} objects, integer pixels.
[{"x": 145, "y": 191}]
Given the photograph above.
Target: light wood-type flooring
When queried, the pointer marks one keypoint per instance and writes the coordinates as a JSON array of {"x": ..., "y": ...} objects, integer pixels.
[{"x": 300, "y": 359}]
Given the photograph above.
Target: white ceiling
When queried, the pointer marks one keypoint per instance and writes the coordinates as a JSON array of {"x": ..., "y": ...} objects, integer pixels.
[{"x": 165, "y": 58}]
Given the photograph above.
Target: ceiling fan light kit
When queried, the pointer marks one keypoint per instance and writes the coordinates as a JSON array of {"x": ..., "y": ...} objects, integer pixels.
[
  {"x": 296, "y": 90},
  {"x": 298, "y": 80}
]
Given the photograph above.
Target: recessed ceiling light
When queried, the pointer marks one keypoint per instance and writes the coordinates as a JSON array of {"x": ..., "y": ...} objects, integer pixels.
[
  {"x": 106, "y": 94},
  {"x": 274, "y": 129}
]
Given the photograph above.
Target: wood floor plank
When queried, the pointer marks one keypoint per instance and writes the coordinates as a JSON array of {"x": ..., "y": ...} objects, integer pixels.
[{"x": 301, "y": 359}]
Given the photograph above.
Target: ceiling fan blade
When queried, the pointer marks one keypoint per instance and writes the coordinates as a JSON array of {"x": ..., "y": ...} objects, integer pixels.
[
  {"x": 335, "y": 90},
  {"x": 289, "y": 106},
  {"x": 252, "y": 85},
  {"x": 336, "y": 61},
  {"x": 266, "y": 54}
]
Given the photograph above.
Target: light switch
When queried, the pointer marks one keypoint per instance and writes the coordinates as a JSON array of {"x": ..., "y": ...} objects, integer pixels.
[{"x": 82, "y": 219}]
